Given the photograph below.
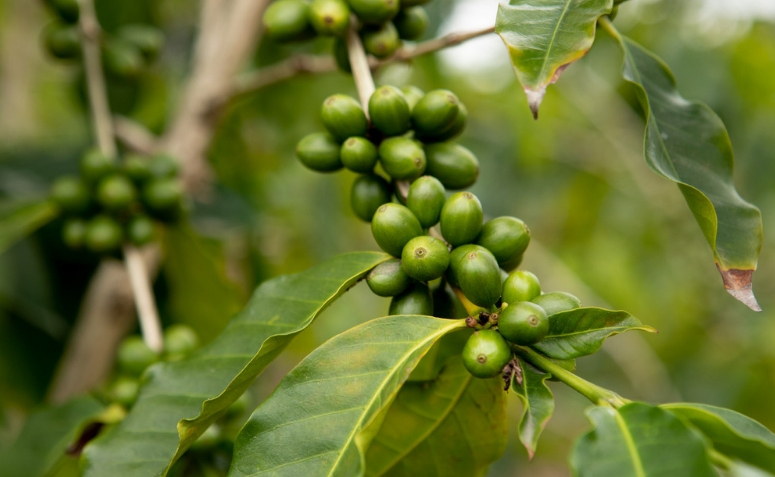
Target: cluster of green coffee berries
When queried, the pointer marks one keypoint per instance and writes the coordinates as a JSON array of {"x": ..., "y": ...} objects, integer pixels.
[
  {"x": 111, "y": 203},
  {"x": 383, "y": 24},
  {"x": 125, "y": 53},
  {"x": 134, "y": 357}
]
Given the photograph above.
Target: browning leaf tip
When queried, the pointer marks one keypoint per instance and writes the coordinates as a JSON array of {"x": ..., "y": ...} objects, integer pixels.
[{"x": 739, "y": 284}]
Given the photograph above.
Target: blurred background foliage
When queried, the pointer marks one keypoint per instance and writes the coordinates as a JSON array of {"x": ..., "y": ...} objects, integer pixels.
[{"x": 604, "y": 226}]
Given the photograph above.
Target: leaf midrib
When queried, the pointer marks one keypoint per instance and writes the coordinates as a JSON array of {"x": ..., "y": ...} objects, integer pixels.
[
  {"x": 554, "y": 37},
  {"x": 631, "y": 448}
]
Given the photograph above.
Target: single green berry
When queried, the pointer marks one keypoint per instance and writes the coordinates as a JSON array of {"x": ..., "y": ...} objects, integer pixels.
[
  {"x": 461, "y": 218},
  {"x": 435, "y": 113},
  {"x": 454, "y": 165},
  {"x": 148, "y": 39},
  {"x": 556, "y": 302},
  {"x": 124, "y": 391},
  {"x": 375, "y": 11},
  {"x": 417, "y": 300},
  {"x": 358, "y": 154},
  {"x": 330, "y": 17},
  {"x": 62, "y": 41},
  {"x": 103, "y": 234},
  {"x": 96, "y": 165},
  {"x": 507, "y": 238},
  {"x": 140, "y": 230},
  {"x": 122, "y": 58},
  {"x": 402, "y": 158},
  {"x": 369, "y": 192},
  {"x": 389, "y": 111},
  {"x": 287, "y": 20},
  {"x": 71, "y": 195},
  {"x": 520, "y": 285},
  {"x": 393, "y": 225},
  {"x": 341, "y": 55},
  {"x": 136, "y": 168},
  {"x": 67, "y": 10},
  {"x": 116, "y": 192},
  {"x": 523, "y": 323},
  {"x": 388, "y": 278},
  {"x": 411, "y": 23},
  {"x": 180, "y": 341},
  {"x": 74, "y": 233},
  {"x": 454, "y": 262},
  {"x": 425, "y": 258},
  {"x": 319, "y": 152},
  {"x": 344, "y": 117},
  {"x": 457, "y": 127},
  {"x": 164, "y": 166},
  {"x": 425, "y": 199},
  {"x": 479, "y": 277},
  {"x": 485, "y": 354},
  {"x": 134, "y": 356},
  {"x": 381, "y": 41},
  {"x": 413, "y": 95},
  {"x": 163, "y": 198}
]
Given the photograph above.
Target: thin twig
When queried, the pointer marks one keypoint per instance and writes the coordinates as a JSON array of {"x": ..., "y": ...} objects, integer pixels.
[
  {"x": 144, "y": 300},
  {"x": 430, "y": 46},
  {"x": 359, "y": 63},
  {"x": 134, "y": 136}
]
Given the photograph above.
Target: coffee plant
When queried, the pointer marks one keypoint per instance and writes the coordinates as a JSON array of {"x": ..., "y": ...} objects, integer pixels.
[{"x": 420, "y": 391}]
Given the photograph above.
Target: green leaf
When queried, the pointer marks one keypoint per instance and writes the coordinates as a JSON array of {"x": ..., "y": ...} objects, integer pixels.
[
  {"x": 179, "y": 400},
  {"x": 740, "y": 469},
  {"x": 19, "y": 219},
  {"x": 537, "y": 403},
  {"x": 732, "y": 433},
  {"x": 46, "y": 436},
  {"x": 545, "y": 36},
  {"x": 639, "y": 440},
  {"x": 436, "y": 358},
  {"x": 458, "y": 419},
  {"x": 687, "y": 143},
  {"x": 581, "y": 331},
  {"x": 314, "y": 422},
  {"x": 200, "y": 293}
]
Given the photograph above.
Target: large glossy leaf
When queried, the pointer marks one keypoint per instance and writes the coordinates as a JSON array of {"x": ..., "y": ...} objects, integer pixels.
[
  {"x": 19, "y": 219},
  {"x": 179, "y": 400},
  {"x": 46, "y": 436},
  {"x": 537, "y": 405},
  {"x": 639, "y": 440},
  {"x": 582, "y": 331},
  {"x": 453, "y": 426},
  {"x": 545, "y": 36},
  {"x": 314, "y": 422},
  {"x": 732, "y": 433},
  {"x": 687, "y": 143}
]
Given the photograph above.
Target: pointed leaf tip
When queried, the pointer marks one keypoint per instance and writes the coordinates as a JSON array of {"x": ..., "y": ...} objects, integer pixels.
[
  {"x": 534, "y": 99},
  {"x": 739, "y": 284}
]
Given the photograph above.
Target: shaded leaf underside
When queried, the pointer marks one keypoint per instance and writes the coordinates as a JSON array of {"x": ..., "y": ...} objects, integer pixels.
[{"x": 538, "y": 406}]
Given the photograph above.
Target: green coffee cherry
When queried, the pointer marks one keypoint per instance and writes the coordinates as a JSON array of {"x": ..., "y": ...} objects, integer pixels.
[
  {"x": 287, "y": 20},
  {"x": 393, "y": 226},
  {"x": 375, "y": 11},
  {"x": 425, "y": 199},
  {"x": 358, "y": 154},
  {"x": 66, "y": 9},
  {"x": 163, "y": 166},
  {"x": 343, "y": 117},
  {"x": 116, "y": 192},
  {"x": 122, "y": 58},
  {"x": 417, "y": 300},
  {"x": 381, "y": 41},
  {"x": 556, "y": 302},
  {"x": 180, "y": 341},
  {"x": 411, "y": 22},
  {"x": 96, "y": 165},
  {"x": 341, "y": 56},
  {"x": 520, "y": 285},
  {"x": 70, "y": 195},
  {"x": 124, "y": 391},
  {"x": 389, "y": 111},
  {"x": 506, "y": 237},
  {"x": 461, "y": 218},
  {"x": 140, "y": 230},
  {"x": 369, "y": 192},
  {"x": 454, "y": 262},
  {"x": 435, "y": 113},
  {"x": 148, "y": 39},
  {"x": 457, "y": 127},
  {"x": 388, "y": 278},
  {"x": 329, "y": 17},
  {"x": 103, "y": 234},
  {"x": 485, "y": 354},
  {"x": 74, "y": 232},
  {"x": 134, "y": 356},
  {"x": 319, "y": 152},
  {"x": 136, "y": 168},
  {"x": 523, "y": 323},
  {"x": 479, "y": 277},
  {"x": 425, "y": 258},
  {"x": 455, "y": 166},
  {"x": 62, "y": 41},
  {"x": 402, "y": 158},
  {"x": 413, "y": 95},
  {"x": 163, "y": 198}
]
